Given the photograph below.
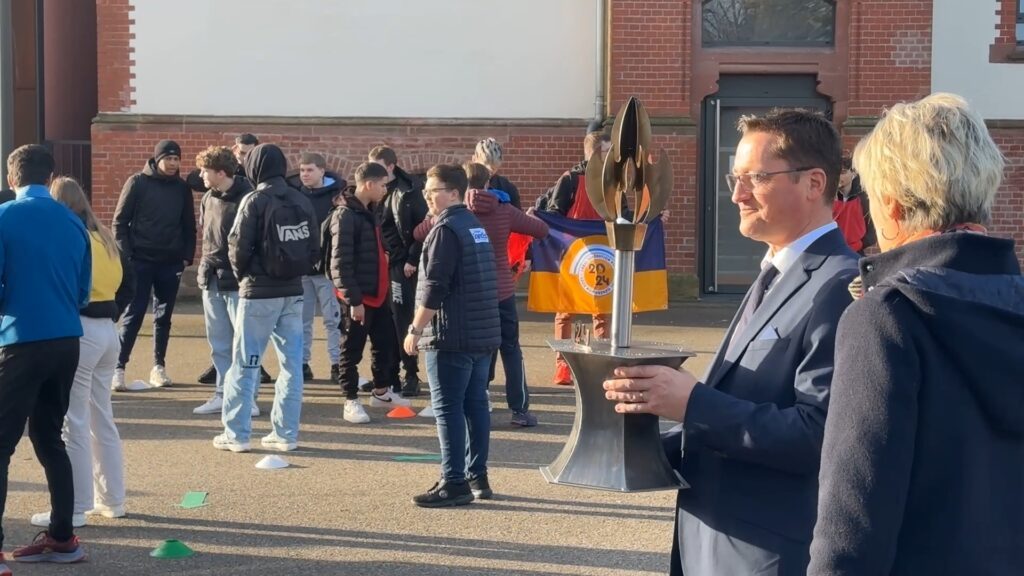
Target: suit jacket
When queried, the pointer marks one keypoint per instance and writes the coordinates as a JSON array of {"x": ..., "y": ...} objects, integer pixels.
[{"x": 751, "y": 437}]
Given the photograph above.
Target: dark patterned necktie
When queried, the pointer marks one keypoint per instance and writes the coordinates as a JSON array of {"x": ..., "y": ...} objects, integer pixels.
[{"x": 756, "y": 295}]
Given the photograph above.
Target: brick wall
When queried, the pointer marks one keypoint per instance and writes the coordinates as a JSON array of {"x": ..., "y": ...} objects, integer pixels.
[
  {"x": 1005, "y": 42},
  {"x": 890, "y": 53},
  {"x": 1008, "y": 213},
  {"x": 650, "y": 47},
  {"x": 113, "y": 53}
]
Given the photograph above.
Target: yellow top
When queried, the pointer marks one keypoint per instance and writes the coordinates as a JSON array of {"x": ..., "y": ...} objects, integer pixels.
[{"x": 106, "y": 272}]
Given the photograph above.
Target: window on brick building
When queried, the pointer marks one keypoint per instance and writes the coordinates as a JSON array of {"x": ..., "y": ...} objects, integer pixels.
[
  {"x": 768, "y": 22},
  {"x": 1020, "y": 22}
]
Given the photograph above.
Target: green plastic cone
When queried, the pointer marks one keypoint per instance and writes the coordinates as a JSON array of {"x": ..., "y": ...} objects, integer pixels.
[{"x": 170, "y": 549}]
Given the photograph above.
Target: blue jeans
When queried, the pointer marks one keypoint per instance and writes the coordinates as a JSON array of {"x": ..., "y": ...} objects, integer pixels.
[
  {"x": 158, "y": 282},
  {"x": 516, "y": 393},
  {"x": 458, "y": 394},
  {"x": 278, "y": 320},
  {"x": 317, "y": 289},
  {"x": 219, "y": 313}
]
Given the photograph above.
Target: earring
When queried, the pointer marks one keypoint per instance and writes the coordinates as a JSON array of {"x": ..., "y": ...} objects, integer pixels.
[{"x": 895, "y": 236}]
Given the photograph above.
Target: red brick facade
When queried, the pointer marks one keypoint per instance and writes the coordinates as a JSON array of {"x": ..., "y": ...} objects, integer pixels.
[
  {"x": 1004, "y": 47},
  {"x": 885, "y": 57}
]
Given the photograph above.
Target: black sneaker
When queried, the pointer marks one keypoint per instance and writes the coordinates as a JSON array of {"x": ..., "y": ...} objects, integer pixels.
[
  {"x": 336, "y": 374},
  {"x": 209, "y": 376},
  {"x": 481, "y": 488},
  {"x": 524, "y": 419},
  {"x": 444, "y": 494},
  {"x": 411, "y": 387},
  {"x": 264, "y": 376},
  {"x": 307, "y": 373}
]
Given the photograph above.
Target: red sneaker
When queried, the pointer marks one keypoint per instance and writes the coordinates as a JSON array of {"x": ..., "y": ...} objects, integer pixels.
[
  {"x": 4, "y": 570},
  {"x": 46, "y": 549},
  {"x": 562, "y": 375}
]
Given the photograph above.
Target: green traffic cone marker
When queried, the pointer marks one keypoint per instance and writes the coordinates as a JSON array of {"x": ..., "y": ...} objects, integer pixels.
[{"x": 171, "y": 549}]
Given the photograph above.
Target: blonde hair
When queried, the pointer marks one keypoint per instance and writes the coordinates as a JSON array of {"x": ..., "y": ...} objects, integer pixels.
[
  {"x": 69, "y": 192},
  {"x": 936, "y": 159}
]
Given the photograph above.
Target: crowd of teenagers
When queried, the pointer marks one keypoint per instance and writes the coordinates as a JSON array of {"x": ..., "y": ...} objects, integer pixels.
[{"x": 913, "y": 352}]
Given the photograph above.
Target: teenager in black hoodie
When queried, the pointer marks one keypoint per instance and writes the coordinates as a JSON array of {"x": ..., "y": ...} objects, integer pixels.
[
  {"x": 155, "y": 227},
  {"x": 322, "y": 188}
]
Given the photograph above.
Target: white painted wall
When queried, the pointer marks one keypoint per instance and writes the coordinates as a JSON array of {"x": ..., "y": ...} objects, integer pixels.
[
  {"x": 375, "y": 58},
  {"x": 962, "y": 33}
]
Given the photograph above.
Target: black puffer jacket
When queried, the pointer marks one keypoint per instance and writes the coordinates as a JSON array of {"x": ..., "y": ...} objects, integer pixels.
[
  {"x": 217, "y": 212},
  {"x": 266, "y": 165},
  {"x": 922, "y": 467},
  {"x": 155, "y": 218},
  {"x": 401, "y": 211},
  {"x": 355, "y": 257}
]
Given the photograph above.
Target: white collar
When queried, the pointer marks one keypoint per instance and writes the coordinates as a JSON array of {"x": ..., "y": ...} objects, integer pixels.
[{"x": 784, "y": 259}]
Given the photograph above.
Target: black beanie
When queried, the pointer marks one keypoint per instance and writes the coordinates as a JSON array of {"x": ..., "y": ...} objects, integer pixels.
[{"x": 166, "y": 148}]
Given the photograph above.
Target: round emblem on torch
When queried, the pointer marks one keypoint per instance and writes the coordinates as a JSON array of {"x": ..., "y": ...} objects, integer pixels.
[{"x": 592, "y": 264}]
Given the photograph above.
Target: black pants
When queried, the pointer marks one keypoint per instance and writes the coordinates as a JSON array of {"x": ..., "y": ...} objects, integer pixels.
[
  {"x": 403, "y": 307},
  {"x": 161, "y": 281},
  {"x": 378, "y": 327},
  {"x": 35, "y": 385}
]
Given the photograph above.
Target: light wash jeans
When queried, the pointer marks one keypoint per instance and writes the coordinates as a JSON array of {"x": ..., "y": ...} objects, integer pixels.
[
  {"x": 317, "y": 289},
  {"x": 278, "y": 320},
  {"x": 91, "y": 437},
  {"x": 219, "y": 313}
]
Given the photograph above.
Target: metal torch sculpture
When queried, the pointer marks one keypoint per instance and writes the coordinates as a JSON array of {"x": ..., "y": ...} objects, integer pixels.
[{"x": 607, "y": 450}]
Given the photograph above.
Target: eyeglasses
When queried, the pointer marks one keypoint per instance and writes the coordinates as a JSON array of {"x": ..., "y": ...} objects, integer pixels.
[
  {"x": 432, "y": 191},
  {"x": 752, "y": 179}
]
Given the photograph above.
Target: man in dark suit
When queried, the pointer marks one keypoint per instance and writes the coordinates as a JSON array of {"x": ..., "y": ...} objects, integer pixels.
[{"x": 751, "y": 433}]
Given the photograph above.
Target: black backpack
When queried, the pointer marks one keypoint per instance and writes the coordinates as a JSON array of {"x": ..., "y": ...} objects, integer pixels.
[{"x": 286, "y": 238}]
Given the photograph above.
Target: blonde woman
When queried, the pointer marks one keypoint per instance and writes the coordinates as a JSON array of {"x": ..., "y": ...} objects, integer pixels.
[
  {"x": 93, "y": 443},
  {"x": 922, "y": 466}
]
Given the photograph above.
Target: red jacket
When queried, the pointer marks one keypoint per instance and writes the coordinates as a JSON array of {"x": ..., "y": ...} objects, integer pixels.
[{"x": 499, "y": 220}]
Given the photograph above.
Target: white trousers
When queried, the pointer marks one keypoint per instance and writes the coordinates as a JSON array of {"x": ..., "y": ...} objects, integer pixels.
[{"x": 93, "y": 444}]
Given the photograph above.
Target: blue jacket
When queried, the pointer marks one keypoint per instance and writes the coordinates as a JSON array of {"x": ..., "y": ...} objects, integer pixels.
[{"x": 45, "y": 269}]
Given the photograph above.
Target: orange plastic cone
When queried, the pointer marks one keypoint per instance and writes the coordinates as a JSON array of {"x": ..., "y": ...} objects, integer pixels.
[{"x": 402, "y": 412}]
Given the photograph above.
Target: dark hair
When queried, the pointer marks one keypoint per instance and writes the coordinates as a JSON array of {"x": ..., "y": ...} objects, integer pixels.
[
  {"x": 313, "y": 158},
  {"x": 219, "y": 158},
  {"x": 477, "y": 174},
  {"x": 452, "y": 176},
  {"x": 370, "y": 171},
  {"x": 30, "y": 164},
  {"x": 384, "y": 153},
  {"x": 804, "y": 138},
  {"x": 247, "y": 139}
]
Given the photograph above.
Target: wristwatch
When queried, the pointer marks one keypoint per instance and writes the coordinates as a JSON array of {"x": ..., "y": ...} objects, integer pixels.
[{"x": 414, "y": 331}]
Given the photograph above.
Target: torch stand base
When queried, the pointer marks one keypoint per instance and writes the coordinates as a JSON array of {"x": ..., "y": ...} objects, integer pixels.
[{"x": 607, "y": 450}]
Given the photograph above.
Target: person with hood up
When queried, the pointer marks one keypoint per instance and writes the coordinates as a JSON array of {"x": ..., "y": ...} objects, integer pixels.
[
  {"x": 401, "y": 210},
  {"x": 155, "y": 227},
  {"x": 322, "y": 188},
  {"x": 272, "y": 244},
  {"x": 922, "y": 467},
  {"x": 499, "y": 218}
]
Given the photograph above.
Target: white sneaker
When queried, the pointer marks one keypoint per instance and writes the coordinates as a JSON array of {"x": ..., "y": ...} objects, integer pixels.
[
  {"x": 117, "y": 384},
  {"x": 255, "y": 410},
  {"x": 428, "y": 412},
  {"x": 222, "y": 442},
  {"x": 158, "y": 377},
  {"x": 490, "y": 405},
  {"x": 106, "y": 511},
  {"x": 275, "y": 442},
  {"x": 355, "y": 413},
  {"x": 212, "y": 406},
  {"x": 43, "y": 519},
  {"x": 388, "y": 400}
]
